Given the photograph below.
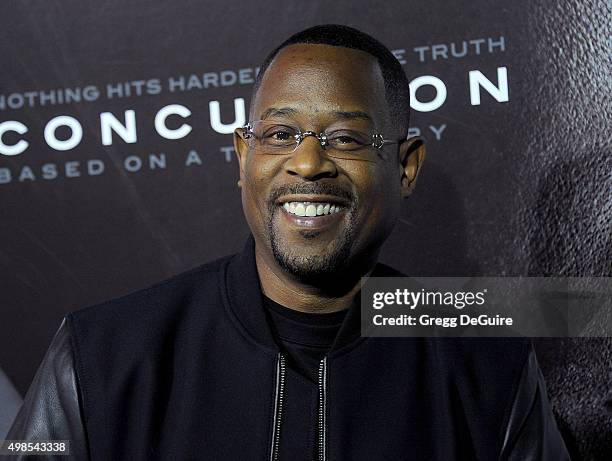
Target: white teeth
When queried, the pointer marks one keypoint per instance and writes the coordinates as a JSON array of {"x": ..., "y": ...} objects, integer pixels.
[
  {"x": 310, "y": 209},
  {"x": 300, "y": 209}
]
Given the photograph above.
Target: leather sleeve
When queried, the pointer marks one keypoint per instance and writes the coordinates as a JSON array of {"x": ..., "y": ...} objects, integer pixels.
[
  {"x": 532, "y": 433},
  {"x": 51, "y": 409}
]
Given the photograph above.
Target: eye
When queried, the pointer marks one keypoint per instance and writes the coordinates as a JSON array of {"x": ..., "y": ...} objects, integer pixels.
[
  {"x": 278, "y": 135},
  {"x": 347, "y": 140},
  {"x": 281, "y": 135}
]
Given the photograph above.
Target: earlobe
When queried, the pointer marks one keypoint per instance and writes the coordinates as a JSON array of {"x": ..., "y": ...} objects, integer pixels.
[{"x": 412, "y": 155}]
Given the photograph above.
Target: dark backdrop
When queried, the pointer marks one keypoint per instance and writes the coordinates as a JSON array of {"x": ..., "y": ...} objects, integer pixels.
[{"x": 510, "y": 187}]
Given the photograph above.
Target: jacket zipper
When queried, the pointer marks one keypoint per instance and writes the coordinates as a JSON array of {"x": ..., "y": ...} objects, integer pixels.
[
  {"x": 322, "y": 445},
  {"x": 278, "y": 405},
  {"x": 279, "y": 393}
]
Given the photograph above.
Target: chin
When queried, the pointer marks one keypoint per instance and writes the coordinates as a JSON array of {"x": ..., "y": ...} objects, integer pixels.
[
  {"x": 310, "y": 263},
  {"x": 313, "y": 255}
]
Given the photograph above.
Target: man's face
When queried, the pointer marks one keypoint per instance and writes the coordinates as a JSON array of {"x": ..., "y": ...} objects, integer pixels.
[{"x": 320, "y": 88}]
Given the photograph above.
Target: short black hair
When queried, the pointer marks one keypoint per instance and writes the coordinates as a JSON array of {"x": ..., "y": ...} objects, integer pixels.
[{"x": 397, "y": 91}]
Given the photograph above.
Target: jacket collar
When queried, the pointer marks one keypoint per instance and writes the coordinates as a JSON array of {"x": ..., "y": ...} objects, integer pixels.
[{"x": 244, "y": 294}]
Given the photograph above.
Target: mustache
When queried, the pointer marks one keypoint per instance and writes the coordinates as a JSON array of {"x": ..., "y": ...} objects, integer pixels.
[{"x": 310, "y": 188}]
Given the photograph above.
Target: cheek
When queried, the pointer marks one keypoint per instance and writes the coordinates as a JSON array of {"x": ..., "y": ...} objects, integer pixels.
[
  {"x": 256, "y": 180},
  {"x": 379, "y": 196},
  {"x": 374, "y": 186},
  {"x": 256, "y": 170}
]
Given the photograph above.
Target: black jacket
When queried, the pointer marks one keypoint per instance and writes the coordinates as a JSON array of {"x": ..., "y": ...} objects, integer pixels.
[{"x": 188, "y": 369}]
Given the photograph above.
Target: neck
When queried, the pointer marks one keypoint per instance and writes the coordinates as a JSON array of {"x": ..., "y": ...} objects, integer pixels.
[{"x": 295, "y": 294}]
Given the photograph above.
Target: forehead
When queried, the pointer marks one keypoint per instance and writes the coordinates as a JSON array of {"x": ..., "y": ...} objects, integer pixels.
[{"x": 319, "y": 79}]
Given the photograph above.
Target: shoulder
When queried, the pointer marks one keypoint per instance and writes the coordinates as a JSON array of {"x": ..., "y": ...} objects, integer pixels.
[
  {"x": 485, "y": 372},
  {"x": 54, "y": 383},
  {"x": 382, "y": 270},
  {"x": 156, "y": 300},
  {"x": 484, "y": 349},
  {"x": 492, "y": 359}
]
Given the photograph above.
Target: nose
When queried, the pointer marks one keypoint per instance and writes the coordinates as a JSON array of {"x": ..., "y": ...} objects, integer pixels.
[{"x": 310, "y": 162}]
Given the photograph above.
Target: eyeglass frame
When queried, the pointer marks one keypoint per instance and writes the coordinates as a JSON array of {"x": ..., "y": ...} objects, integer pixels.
[{"x": 378, "y": 140}]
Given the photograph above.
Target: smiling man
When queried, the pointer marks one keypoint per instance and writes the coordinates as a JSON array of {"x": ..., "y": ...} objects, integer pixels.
[
  {"x": 321, "y": 172},
  {"x": 258, "y": 356}
]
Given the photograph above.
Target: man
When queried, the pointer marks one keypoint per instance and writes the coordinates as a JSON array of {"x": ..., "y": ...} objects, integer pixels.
[{"x": 259, "y": 355}]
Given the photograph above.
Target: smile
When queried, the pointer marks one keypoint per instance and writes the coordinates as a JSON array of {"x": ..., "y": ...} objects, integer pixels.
[{"x": 311, "y": 209}]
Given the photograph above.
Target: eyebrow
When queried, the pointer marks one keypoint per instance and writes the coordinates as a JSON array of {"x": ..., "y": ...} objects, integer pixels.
[
  {"x": 352, "y": 115},
  {"x": 346, "y": 115},
  {"x": 273, "y": 111}
]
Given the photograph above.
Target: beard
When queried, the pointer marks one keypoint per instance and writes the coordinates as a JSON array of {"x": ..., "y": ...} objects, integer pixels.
[{"x": 313, "y": 266}]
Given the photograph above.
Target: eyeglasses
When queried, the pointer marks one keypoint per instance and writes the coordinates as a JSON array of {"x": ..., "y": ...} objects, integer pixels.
[{"x": 272, "y": 137}]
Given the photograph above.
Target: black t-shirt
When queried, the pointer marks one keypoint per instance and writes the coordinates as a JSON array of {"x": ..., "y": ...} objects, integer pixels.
[{"x": 304, "y": 338}]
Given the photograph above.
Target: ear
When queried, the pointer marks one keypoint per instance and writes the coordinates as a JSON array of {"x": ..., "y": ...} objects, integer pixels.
[
  {"x": 241, "y": 149},
  {"x": 411, "y": 157}
]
